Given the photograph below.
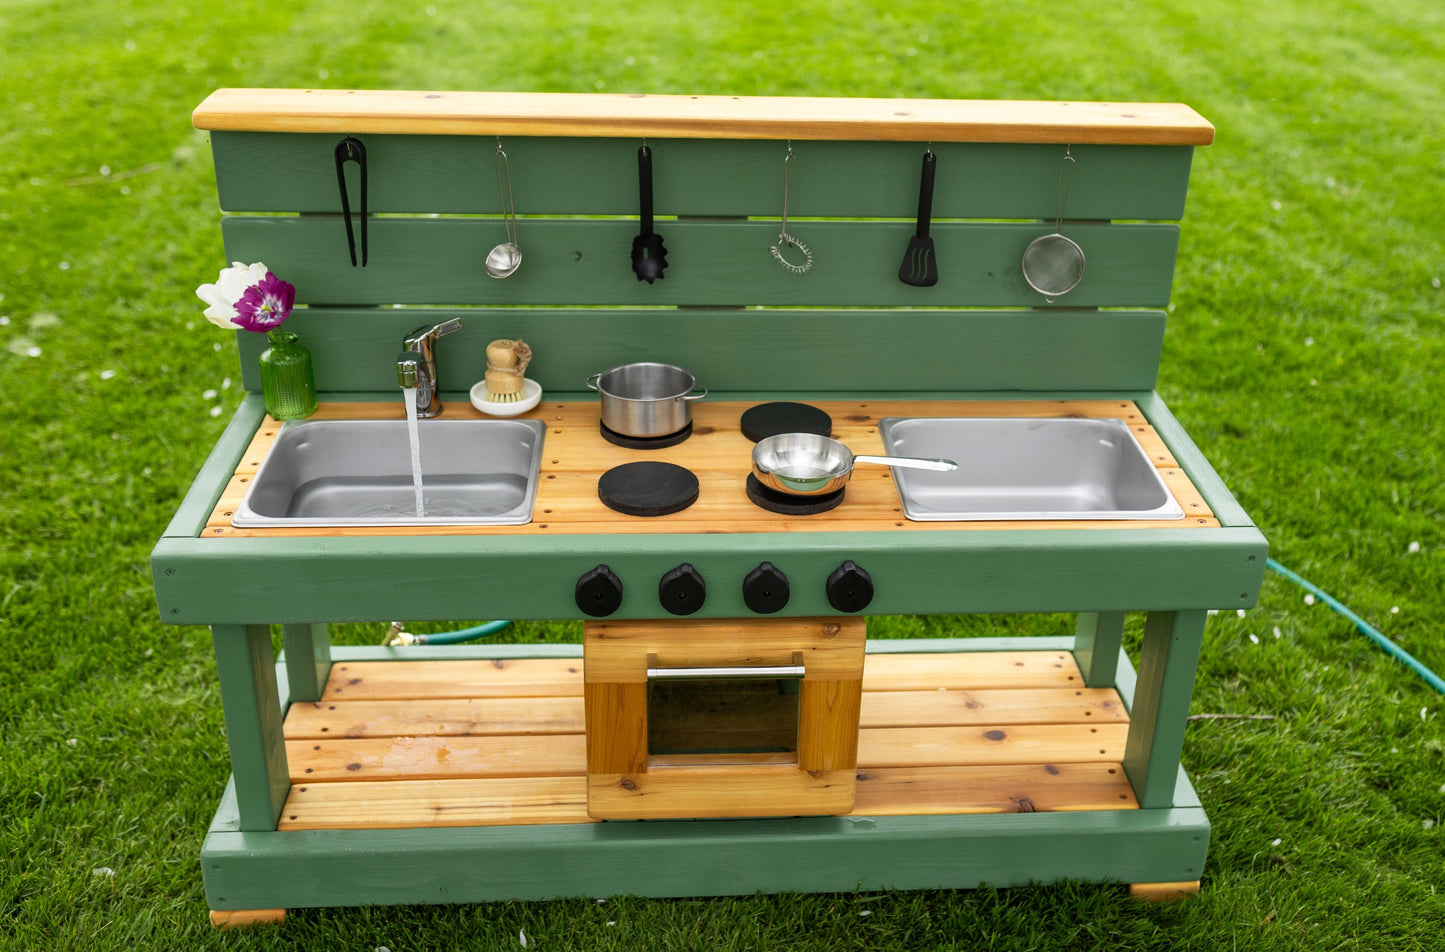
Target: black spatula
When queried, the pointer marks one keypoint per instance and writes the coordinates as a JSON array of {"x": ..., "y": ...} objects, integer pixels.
[
  {"x": 920, "y": 267},
  {"x": 648, "y": 255}
]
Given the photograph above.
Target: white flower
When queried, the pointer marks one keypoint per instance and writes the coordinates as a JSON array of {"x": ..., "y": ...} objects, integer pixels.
[
  {"x": 1413, "y": 548},
  {"x": 223, "y": 296}
]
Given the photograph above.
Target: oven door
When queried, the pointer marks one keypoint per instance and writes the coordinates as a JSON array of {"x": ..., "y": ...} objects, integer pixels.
[{"x": 720, "y": 718}]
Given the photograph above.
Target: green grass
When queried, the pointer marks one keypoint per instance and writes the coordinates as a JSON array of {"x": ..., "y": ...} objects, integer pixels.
[{"x": 1303, "y": 355}]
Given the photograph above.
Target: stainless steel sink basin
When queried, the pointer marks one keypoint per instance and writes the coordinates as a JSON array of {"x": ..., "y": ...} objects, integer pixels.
[
  {"x": 358, "y": 473},
  {"x": 1026, "y": 469}
]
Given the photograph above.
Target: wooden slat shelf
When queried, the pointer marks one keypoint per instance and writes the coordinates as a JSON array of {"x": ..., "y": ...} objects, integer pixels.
[
  {"x": 402, "y": 744},
  {"x": 575, "y": 455},
  {"x": 357, "y": 112}
]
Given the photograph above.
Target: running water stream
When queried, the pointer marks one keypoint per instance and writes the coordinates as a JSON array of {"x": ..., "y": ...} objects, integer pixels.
[{"x": 414, "y": 437}]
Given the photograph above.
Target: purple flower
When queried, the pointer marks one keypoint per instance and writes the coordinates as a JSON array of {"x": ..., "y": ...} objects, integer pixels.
[{"x": 265, "y": 305}]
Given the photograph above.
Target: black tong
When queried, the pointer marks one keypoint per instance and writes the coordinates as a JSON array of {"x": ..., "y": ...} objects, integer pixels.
[{"x": 351, "y": 150}]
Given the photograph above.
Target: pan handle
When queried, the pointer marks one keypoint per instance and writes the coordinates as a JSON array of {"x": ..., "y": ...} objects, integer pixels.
[
  {"x": 910, "y": 462},
  {"x": 594, "y": 382},
  {"x": 694, "y": 396}
]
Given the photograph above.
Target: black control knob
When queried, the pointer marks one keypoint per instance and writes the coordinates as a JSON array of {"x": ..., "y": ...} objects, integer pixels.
[
  {"x": 765, "y": 590},
  {"x": 682, "y": 590},
  {"x": 850, "y": 588},
  {"x": 599, "y": 592}
]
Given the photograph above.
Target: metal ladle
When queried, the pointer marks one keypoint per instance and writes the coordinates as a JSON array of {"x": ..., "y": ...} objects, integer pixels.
[
  {"x": 1053, "y": 265},
  {"x": 506, "y": 257}
]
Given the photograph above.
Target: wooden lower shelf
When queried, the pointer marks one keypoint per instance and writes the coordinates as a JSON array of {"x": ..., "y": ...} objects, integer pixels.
[{"x": 417, "y": 744}]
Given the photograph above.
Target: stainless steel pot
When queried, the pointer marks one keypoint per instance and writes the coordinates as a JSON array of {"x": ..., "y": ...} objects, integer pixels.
[
  {"x": 646, "y": 399},
  {"x": 805, "y": 464}
]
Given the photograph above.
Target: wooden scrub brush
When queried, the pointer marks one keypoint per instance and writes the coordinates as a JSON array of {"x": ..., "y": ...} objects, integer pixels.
[{"x": 506, "y": 365}]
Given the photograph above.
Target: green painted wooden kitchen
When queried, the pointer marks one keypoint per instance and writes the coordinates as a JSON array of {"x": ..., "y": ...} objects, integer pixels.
[{"x": 984, "y": 282}]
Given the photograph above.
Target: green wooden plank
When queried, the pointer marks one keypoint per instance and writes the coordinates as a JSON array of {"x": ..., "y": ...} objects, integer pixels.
[
  {"x": 308, "y": 649},
  {"x": 699, "y": 858},
  {"x": 588, "y": 262},
  {"x": 449, "y": 577},
  {"x": 246, "y": 670},
  {"x": 1159, "y": 713},
  {"x": 457, "y": 175},
  {"x": 1096, "y": 647},
  {"x": 752, "y": 349},
  {"x": 215, "y": 472},
  {"x": 1221, "y": 502}
]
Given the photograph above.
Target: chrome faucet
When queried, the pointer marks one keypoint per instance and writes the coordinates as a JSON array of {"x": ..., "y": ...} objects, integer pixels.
[{"x": 416, "y": 367}]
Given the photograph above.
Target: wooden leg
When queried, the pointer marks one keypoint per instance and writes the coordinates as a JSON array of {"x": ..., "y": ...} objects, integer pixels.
[
  {"x": 241, "y": 918},
  {"x": 1167, "y": 662},
  {"x": 1098, "y": 637},
  {"x": 246, "y": 670},
  {"x": 308, "y": 660},
  {"x": 1164, "y": 892}
]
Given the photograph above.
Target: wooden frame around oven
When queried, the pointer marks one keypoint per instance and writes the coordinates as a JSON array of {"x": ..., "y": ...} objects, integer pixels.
[{"x": 625, "y": 783}]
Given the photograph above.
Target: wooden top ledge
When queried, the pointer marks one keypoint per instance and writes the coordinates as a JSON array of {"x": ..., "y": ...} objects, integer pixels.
[{"x": 344, "y": 111}]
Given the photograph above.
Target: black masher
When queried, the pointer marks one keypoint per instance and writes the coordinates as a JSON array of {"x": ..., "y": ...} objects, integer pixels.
[{"x": 649, "y": 257}]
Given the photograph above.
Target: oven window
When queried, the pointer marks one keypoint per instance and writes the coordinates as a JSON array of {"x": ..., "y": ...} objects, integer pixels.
[{"x": 734, "y": 715}]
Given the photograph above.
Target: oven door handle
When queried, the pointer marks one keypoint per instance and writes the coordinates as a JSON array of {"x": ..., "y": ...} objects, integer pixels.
[{"x": 721, "y": 673}]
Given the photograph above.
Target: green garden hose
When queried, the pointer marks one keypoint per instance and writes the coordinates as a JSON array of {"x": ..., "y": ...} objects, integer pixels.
[
  {"x": 1390, "y": 648},
  {"x": 398, "y": 637}
]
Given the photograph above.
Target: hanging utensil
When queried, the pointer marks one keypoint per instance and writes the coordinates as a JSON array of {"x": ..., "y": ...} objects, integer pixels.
[
  {"x": 785, "y": 239},
  {"x": 1053, "y": 265},
  {"x": 649, "y": 257},
  {"x": 919, "y": 267},
  {"x": 506, "y": 257},
  {"x": 351, "y": 150}
]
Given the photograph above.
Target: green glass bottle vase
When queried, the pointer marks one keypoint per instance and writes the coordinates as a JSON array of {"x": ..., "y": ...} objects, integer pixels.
[{"x": 287, "y": 381}]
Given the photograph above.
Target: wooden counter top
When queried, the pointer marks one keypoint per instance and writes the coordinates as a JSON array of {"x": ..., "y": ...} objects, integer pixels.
[{"x": 574, "y": 455}]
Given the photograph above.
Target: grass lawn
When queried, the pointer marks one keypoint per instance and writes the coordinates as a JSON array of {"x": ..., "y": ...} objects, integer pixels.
[{"x": 1304, "y": 356}]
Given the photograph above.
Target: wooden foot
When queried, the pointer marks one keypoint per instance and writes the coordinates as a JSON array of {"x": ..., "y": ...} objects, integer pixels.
[
  {"x": 241, "y": 918},
  {"x": 1163, "y": 892}
]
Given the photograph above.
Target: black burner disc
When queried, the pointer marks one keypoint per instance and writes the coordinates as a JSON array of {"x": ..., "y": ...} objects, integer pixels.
[
  {"x": 646, "y": 442},
  {"x": 770, "y": 419},
  {"x": 788, "y": 505},
  {"x": 647, "y": 488}
]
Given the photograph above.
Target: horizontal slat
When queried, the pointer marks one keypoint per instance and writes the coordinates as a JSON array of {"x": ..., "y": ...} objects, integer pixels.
[
  {"x": 455, "y": 717},
  {"x": 910, "y": 791},
  {"x": 427, "y": 758},
  {"x": 805, "y": 350},
  {"x": 439, "y": 261},
  {"x": 432, "y": 803},
  {"x": 973, "y": 671},
  {"x": 264, "y": 172},
  {"x": 945, "y": 708},
  {"x": 681, "y": 793},
  {"x": 560, "y": 677},
  {"x": 881, "y": 791},
  {"x": 522, "y": 677},
  {"x": 436, "y": 717},
  {"x": 438, "y": 758},
  {"x": 611, "y": 114},
  {"x": 1014, "y": 744}
]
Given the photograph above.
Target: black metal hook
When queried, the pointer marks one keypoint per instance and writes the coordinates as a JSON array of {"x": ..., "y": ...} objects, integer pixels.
[{"x": 351, "y": 150}]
